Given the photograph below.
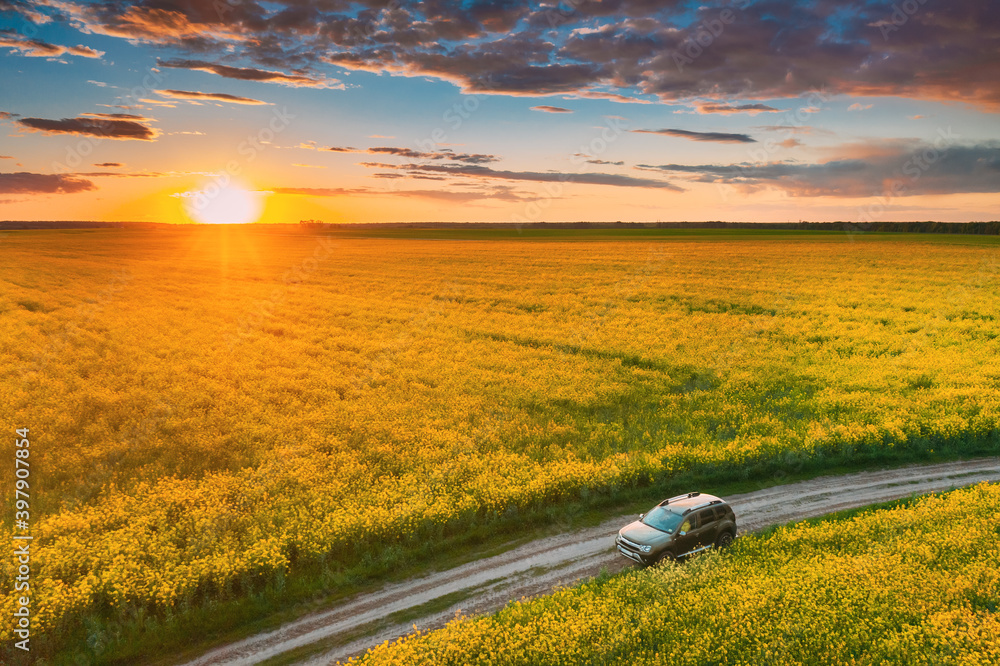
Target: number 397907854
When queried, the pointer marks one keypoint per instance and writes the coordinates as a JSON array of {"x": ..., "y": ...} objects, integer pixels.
[{"x": 22, "y": 472}]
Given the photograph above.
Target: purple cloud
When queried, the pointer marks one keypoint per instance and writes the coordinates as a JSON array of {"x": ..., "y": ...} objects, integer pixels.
[{"x": 40, "y": 183}]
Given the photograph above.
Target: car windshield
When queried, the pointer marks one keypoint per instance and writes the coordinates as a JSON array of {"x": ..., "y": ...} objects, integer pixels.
[{"x": 663, "y": 519}]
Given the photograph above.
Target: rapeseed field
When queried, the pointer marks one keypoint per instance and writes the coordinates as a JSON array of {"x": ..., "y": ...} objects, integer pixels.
[
  {"x": 215, "y": 412},
  {"x": 916, "y": 584}
]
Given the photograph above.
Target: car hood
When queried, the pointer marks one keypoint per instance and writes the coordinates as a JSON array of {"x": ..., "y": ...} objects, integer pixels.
[{"x": 641, "y": 533}]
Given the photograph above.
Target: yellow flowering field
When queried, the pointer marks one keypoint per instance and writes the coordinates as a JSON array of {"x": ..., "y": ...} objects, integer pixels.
[
  {"x": 918, "y": 584},
  {"x": 228, "y": 415}
]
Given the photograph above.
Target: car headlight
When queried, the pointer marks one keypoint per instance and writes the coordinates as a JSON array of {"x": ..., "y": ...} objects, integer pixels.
[{"x": 645, "y": 549}]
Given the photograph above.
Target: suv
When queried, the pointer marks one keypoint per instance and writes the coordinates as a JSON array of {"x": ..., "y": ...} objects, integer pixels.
[{"x": 678, "y": 527}]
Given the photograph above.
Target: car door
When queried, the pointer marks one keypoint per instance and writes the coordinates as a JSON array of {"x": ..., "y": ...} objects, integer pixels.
[
  {"x": 687, "y": 536},
  {"x": 708, "y": 527}
]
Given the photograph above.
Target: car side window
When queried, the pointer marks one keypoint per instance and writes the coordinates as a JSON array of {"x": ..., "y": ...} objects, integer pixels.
[
  {"x": 706, "y": 517},
  {"x": 686, "y": 526},
  {"x": 720, "y": 513}
]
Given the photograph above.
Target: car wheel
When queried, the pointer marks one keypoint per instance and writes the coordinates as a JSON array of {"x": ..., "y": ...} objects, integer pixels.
[
  {"x": 725, "y": 540},
  {"x": 666, "y": 557}
]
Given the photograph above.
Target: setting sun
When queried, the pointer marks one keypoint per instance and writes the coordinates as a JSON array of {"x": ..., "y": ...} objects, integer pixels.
[{"x": 222, "y": 203}]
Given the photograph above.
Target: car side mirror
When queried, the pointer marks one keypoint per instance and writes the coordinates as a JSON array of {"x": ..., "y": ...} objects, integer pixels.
[{"x": 641, "y": 516}]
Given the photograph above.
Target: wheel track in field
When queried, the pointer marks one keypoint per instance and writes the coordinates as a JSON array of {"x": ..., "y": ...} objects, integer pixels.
[{"x": 545, "y": 564}]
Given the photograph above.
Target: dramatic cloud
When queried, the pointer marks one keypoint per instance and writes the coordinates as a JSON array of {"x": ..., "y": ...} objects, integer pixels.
[
  {"x": 210, "y": 97},
  {"x": 34, "y": 48},
  {"x": 720, "y": 137},
  {"x": 38, "y": 183},
  {"x": 110, "y": 165},
  {"x": 189, "y": 24},
  {"x": 551, "y": 109},
  {"x": 122, "y": 126},
  {"x": 752, "y": 109},
  {"x": 532, "y": 176},
  {"x": 446, "y": 154},
  {"x": 243, "y": 73},
  {"x": 586, "y": 48},
  {"x": 894, "y": 168}
]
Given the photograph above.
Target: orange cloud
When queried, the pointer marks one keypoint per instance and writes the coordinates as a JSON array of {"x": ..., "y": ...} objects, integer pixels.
[
  {"x": 34, "y": 48},
  {"x": 212, "y": 97},
  {"x": 246, "y": 73}
]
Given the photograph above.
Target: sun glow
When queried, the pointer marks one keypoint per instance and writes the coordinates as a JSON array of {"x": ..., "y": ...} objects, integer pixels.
[{"x": 218, "y": 203}]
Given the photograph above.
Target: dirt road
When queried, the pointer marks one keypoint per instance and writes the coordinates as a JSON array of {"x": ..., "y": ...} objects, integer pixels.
[{"x": 540, "y": 566}]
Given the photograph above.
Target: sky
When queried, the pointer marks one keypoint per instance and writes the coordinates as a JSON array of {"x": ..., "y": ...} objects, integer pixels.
[{"x": 497, "y": 111}]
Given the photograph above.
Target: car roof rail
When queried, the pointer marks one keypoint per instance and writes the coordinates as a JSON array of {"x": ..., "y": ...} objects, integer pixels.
[
  {"x": 679, "y": 497},
  {"x": 703, "y": 505}
]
